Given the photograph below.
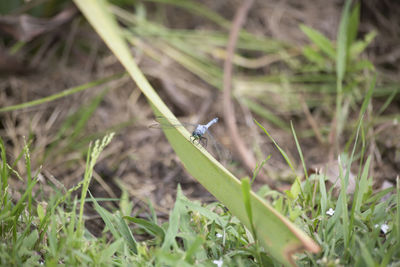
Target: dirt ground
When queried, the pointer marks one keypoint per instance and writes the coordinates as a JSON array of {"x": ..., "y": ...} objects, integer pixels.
[{"x": 139, "y": 159}]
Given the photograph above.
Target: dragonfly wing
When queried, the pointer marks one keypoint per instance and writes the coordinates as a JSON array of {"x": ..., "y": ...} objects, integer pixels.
[
  {"x": 221, "y": 152},
  {"x": 164, "y": 123}
]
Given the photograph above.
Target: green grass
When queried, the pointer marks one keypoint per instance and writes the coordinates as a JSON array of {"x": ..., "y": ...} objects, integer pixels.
[
  {"x": 51, "y": 229},
  {"x": 39, "y": 228}
]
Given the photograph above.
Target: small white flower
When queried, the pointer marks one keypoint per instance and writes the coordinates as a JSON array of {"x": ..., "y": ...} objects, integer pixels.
[
  {"x": 384, "y": 228},
  {"x": 330, "y": 212},
  {"x": 218, "y": 262},
  {"x": 376, "y": 225},
  {"x": 218, "y": 235}
]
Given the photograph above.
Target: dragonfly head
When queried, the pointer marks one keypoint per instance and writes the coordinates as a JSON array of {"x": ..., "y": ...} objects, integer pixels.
[{"x": 196, "y": 134}]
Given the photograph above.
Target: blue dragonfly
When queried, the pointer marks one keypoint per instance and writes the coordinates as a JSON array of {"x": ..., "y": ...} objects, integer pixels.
[
  {"x": 198, "y": 134},
  {"x": 200, "y": 130}
]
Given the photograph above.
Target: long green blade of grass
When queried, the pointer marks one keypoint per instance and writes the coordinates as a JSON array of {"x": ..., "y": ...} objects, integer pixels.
[
  {"x": 277, "y": 234},
  {"x": 299, "y": 150},
  {"x": 398, "y": 208},
  {"x": 61, "y": 94},
  {"x": 342, "y": 44},
  {"x": 283, "y": 153},
  {"x": 4, "y": 172},
  {"x": 341, "y": 61}
]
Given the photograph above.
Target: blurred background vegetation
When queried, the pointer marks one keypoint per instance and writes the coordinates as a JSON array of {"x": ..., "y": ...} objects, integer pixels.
[{"x": 285, "y": 70}]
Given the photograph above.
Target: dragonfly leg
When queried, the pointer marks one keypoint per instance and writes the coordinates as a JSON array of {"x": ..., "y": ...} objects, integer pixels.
[
  {"x": 203, "y": 141},
  {"x": 194, "y": 138}
]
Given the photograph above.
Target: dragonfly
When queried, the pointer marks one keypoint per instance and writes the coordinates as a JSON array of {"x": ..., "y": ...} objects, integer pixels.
[
  {"x": 198, "y": 134},
  {"x": 200, "y": 130}
]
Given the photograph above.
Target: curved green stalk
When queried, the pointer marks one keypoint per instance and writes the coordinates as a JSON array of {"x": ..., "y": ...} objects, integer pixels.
[{"x": 276, "y": 233}]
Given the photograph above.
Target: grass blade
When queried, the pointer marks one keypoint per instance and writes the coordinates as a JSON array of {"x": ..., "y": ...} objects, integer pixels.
[
  {"x": 283, "y": 153},
  {"x": 319, "y": 40},
  {"x": 61, "y": 94},
  {"x": 149, "y": 227},
  {"x": 127, "y": 234},
  {"x": 174, "y": 220},
  {"x": 276, "y": 233},
  {"x": 299, "y": 150}
]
